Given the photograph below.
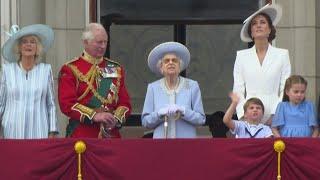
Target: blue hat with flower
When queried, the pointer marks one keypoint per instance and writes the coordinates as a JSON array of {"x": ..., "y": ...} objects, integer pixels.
[{"x": 43, "y": 32}]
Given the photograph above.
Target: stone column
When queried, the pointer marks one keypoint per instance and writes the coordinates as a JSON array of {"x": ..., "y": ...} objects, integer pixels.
[
  {"x": 297, "y": 33},
  {"x": 31, "y": 12},
  {"x": 317, "y": 9},
  {"x": 68, "y": 19}
]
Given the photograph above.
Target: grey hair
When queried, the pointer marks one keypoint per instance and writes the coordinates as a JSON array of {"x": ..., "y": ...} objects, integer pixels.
[
  {"x": 17, "y": 51},
  {"x": 87, "y": 33},
  {"x": 160, "y": 61}
]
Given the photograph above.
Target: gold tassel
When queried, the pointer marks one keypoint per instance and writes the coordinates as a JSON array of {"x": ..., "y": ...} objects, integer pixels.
[
  {"x": 79, "y": 147},
  {"x": 279, "y": 147}
]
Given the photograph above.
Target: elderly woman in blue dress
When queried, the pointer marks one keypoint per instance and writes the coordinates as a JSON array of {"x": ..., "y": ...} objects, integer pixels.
[
  {"x": 27, "y": 107},
  {"x": 173, "y": 105}
]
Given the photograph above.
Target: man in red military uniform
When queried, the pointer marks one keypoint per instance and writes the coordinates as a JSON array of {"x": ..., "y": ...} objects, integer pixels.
[{"x": 91, "y": 90}]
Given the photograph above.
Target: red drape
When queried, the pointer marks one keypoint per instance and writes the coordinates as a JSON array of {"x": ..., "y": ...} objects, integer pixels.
[{"x": 197, "y": 159}]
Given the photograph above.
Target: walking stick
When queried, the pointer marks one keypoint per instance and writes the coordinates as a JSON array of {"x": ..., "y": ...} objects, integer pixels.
[{"x": 165, "y": 124}]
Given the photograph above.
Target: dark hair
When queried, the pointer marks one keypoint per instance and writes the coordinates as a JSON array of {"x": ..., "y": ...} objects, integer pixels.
[
  {"x": 272, "y": 34},
  {"x": 293, "y": 79},
  {"x": 253, "y": 101}
]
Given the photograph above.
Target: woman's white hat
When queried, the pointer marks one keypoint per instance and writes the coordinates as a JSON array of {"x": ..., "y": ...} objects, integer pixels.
[
  {"x": 43, "y": 32},
  {"x": 274, "y": 11},
  {"x": 162, "y": 49}
]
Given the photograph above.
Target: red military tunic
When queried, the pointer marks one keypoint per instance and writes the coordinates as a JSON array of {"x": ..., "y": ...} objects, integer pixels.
[{"x": 87, "y": 84}]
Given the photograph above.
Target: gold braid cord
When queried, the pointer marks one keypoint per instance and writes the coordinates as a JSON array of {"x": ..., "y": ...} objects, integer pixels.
[{"x": 89, "y": 78}]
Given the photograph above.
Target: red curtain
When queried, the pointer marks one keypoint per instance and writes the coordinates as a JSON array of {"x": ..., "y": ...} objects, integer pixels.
[{"x": 197, "y": 159}]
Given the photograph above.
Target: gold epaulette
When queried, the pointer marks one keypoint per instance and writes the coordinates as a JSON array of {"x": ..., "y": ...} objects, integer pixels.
[
  {"x": 72, "y": 60},
  {"x": 112, "y": 61}
]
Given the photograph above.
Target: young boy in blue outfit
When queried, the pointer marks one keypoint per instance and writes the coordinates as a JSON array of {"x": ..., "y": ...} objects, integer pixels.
[{"x": 249, "y": 125}]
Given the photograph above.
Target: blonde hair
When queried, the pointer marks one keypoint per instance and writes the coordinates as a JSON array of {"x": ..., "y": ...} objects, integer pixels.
[
  {"x": 17, "y": 50},
  {"x": 256, "y": 101}
]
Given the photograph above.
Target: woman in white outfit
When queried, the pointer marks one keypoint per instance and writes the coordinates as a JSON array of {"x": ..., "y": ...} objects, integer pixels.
[
  {"x": 261, "y": 71},
  {"x": 27, "y": 107}
]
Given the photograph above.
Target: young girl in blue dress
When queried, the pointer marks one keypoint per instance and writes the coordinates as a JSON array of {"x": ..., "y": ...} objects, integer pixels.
[{"x": 295, "y": 116}]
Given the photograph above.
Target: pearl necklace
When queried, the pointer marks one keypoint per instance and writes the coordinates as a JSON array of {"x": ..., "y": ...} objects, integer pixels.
[{"x": 176, "y": 86}]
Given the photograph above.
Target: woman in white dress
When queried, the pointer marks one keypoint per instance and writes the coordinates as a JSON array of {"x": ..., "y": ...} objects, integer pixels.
[
  {"x": 27, "y": 107},
  {"x": 261, "y": 71},
  {"x": 173, "y": 105}
]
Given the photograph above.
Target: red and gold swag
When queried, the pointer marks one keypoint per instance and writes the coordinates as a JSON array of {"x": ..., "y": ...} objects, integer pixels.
[{"x": 88, "y": 85}]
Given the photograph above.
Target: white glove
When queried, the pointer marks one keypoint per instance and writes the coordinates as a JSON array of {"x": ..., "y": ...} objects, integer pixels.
[
  {"x": 178, "y": 108},
  {"x": 172, "y": 110},
  {"x": 163, "y": 111}
]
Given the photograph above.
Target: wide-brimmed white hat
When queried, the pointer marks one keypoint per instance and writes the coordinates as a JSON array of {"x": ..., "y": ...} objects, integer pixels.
[
  {"x": 162, "y": 49},
  {"x": 43, "y": 32},
  {"x": 274, "y": 11}
]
